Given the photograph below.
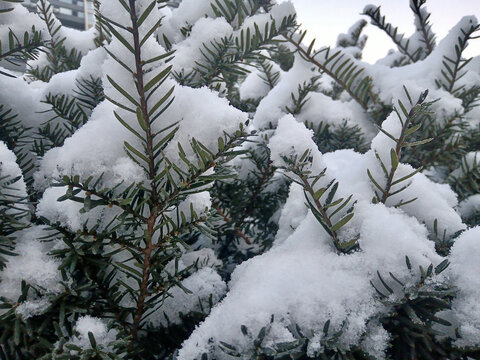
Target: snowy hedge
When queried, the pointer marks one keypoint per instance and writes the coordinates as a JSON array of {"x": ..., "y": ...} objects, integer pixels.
[{"x": 192, "y": 180}]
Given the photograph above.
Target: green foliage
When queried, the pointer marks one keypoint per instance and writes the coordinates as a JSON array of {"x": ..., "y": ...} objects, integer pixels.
[
  {"x": 269, "y": 75},
  {"x": 20, "y": 50},
  {"x": 236, "y": 11},
  {"x": 411, "y": 53},
  {"x": 466, "y": 181},
  {"x": 344, "y": 69},
  {"x": 11, "y": 129},
  {"x": 453, "y": 69},
  {"x": 89, "y": 93},
  {"x": 301, "y": 98},
  {"x": 59, "y": 58},
  {"x": 14, "y": 214},
  {"x": 14, "y": 135},
  {"x": 118, "y": 270},
  {"x": 411, "y": 320},
  {"x": 328, "y": 349},
  {"x": 411, "y": 121},
  {"x": 331, "y": 138},
  {"x": 103, "y": 34},
  {"x": 71, "y": 117},
  {"x": 422, "y": 22},
  {"x": 246, "y": 207},
  {"x": 282, "y": 55},
  {"x": 354, "y": 38},
  {"x": 413, "y": 315},
  {"x": 331, "y": 212},
  {"x": 227, "y": 55},
  {"x": 68, "y": 114},
  {"x": 12, "y": 2}
]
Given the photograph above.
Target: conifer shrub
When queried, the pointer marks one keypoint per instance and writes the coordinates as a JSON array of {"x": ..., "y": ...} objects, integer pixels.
[{"x": 193, "y": 180}]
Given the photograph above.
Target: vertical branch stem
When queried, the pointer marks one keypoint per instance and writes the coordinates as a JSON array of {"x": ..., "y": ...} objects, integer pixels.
[
  {"x": 150, "y": 222},
  {"x": 398, "y": 151}
]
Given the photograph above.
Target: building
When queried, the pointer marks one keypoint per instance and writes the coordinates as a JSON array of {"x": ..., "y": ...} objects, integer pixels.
[{"x": 77, "y": 14}]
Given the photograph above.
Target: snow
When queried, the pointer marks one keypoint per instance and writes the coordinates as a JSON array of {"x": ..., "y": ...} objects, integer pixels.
[
  {"x": 292, "y": 213},
  {"x": 322, "y": 109},
  {"x": 82, "y": 41},
  {"x": 464, "y": 270},
  {"x": 202, "y": 285},
  {"x": 319, "y": 108},
  {"x": 190, "y": 51},
  {"x": 272, "y": 107},
  {"x": 254, "y": 87},
  {"x": 98, "y": 149},
  {"x": 187, "y": 13},
  {"x": 291, "y": 138},
  {"x": 94, "y": 156},
  {"x": 435, "y": 201},
  {"x": 10, "y": 21},
  {"x": 421, "y": 75},
  {"x": 469, "y": 206},
  {"x": 351, "y": 42},
  {"x": 34, "y": 266},
  {"x": 103, "y": 336},
  {"x": 31, "y": 308},
  {"x": 302, "y": 280}
]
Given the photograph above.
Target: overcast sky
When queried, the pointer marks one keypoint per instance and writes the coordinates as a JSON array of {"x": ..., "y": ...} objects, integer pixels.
[{"x": 325, "y": 19}]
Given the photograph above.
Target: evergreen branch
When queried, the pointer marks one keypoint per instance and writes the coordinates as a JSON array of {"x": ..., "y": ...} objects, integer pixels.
[
  {"x": 323, "y": 212},
  {"x": 144, "y": 115},
  {"x": 423, "y": 24},
  {"x": 107, "y": 198},
  {"x": 196, "y": 173},
  {"x": 89, "y": 92},
  {"x": 237, "y": 229},
  {"x": 59, "y": 59},
  {"x": 417, "y": 110},
  {"x": 465, "y": 181},
  {"x": 452, "y": 68},
  {"x": 353, "y": 40},
  {"x": 268, "y": 171},
  {"x": 303, "y": 91},
  {"x": 53, "y": 27},
  {"x": 399, "y": 39},
  {"x": 236, "y": 11},
  {"x": 344, "y": 72},
  {"x": 11, "y": 129},
  {"x": 22, "y": 50},
  {"x": 270, "y": 76},
  {"x": 102, "y": 30},
  {"x": 227, "y": 55},
  {"x": 67, "y": 109},
  {"x": 446, "y": 138},
  {"x": 412, "y": 317},
  {"x": 320, "y": 212}
]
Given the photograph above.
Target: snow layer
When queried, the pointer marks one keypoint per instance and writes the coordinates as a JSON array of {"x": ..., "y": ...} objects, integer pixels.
[
  {"x": 470, "y": 206},
  {"x": 103, "y": 336},
  {"x": 33, "y": 265},
  {"x": 464, "y": 269},
  {"x": 302, "y": 280},
  {"x": 201, "y": 285}
]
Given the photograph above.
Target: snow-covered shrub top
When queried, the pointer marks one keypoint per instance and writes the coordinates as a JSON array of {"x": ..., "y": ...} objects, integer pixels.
[
  {"x": 129, "y": 133},
  {"x": 303, "y": 280}
]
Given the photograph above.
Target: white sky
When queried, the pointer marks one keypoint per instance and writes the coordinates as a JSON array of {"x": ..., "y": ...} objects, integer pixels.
[{"x": 325, "y": 19}]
